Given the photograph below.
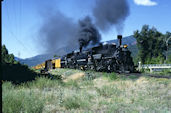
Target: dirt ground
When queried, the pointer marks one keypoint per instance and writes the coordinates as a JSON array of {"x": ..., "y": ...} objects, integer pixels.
[{"x": 74, "y": 77}]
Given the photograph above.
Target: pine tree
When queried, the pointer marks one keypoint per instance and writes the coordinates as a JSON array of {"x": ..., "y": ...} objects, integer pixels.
[
  {"x": 151, "y": 45},
  {"x": 7, "y": 58}
]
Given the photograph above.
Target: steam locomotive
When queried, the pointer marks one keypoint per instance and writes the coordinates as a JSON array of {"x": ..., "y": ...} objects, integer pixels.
[{"x": 104, "y": 57}]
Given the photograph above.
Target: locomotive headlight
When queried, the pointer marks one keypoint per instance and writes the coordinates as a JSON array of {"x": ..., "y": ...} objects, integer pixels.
[{"x": 125, "y": 46}]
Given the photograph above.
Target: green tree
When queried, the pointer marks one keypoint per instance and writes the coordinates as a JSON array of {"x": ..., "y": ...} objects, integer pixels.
[
  {"x": 4, "y": 53},
  {"x": 7, "y": 58},
  {"x": 168, "y": 44},
  {"x": 167, "y": 35},
  {"x": 14, "y": 71},
  {"x": 169, "y": 59},
  {"x": 151, "y": 45},
  {"x": 56, "y": 56}
]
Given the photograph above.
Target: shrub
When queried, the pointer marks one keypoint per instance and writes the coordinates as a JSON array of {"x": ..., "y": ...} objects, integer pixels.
[
  {"x": 43, "y": 82},
  {"x": 169, "y": 59},
  {"x": 74, "y": 102},
  {"x": 111, "y": 76},
  {"x": 166, "y": 71},
  {"x": 17, "y": 73}
]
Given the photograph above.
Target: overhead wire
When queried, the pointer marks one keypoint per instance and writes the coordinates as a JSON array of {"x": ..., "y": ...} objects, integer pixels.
[
  {"x": 12, "y": 34},
  {"x": 11, "y": 31}
]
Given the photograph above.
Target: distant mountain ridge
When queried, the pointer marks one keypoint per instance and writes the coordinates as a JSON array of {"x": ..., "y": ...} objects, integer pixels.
[{"x": 129, "y": 40}]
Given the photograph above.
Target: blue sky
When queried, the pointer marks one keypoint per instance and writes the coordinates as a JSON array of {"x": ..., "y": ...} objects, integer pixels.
[{"x": 21, "y": 20}]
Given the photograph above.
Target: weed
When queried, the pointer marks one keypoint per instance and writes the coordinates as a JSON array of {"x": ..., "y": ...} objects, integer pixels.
[
  {"x": 7, "y": 86},
  {"x": 43, "y": 82},
  {"x": 132, "y": 77},
  {"x": 108, "y": 91},
  {"x": 74, "y": 102},
  {"x": 87, "y": 83},
  {"x": 72, "y": 83},
  {"x": 20, "y": 101},
  {"x": 111, "y": 76}
]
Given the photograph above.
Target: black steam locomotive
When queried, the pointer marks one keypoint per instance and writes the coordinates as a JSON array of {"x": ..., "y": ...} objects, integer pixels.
[{"x": 104, "y": 57}]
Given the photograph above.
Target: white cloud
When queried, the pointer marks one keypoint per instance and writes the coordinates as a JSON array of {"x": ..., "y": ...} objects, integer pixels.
[{"x": 145, "y": 2}]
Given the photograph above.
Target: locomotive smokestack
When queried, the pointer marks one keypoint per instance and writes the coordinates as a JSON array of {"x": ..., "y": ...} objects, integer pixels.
[
  {"x": 120, "y": 40},
  {"x": 81, "y": 42},
  {"x": 81, "y": 49}
]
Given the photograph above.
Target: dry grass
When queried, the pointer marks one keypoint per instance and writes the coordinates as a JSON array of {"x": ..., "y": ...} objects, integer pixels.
[
  {"x": 98, "y": 94},
  {"x": 74, "y": 76}
]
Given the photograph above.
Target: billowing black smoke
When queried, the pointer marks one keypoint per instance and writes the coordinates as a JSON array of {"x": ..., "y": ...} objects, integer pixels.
[
  {"x": 111, "y": 12},
  {"x": 58, "y": 31},
  {"x": 88, "y": 33}
]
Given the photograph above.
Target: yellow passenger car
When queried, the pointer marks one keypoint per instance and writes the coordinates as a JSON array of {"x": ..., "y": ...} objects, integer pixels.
[
  {"x": 39, "y": 66},
  {"x": 56, "y": 63}
]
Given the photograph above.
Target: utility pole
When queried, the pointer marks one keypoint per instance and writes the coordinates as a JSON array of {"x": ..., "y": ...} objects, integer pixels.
[{"x": 167, "y": 46}]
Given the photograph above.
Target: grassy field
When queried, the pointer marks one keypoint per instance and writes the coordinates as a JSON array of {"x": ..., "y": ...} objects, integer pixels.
[{"x": 90, "y": 92}]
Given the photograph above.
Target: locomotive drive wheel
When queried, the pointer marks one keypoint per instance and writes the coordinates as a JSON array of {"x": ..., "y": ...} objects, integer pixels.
[
  {"x": 109, "y": 68},
  {"x": 82, "y": 68},
  {"x": 91, "y": 67}
]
